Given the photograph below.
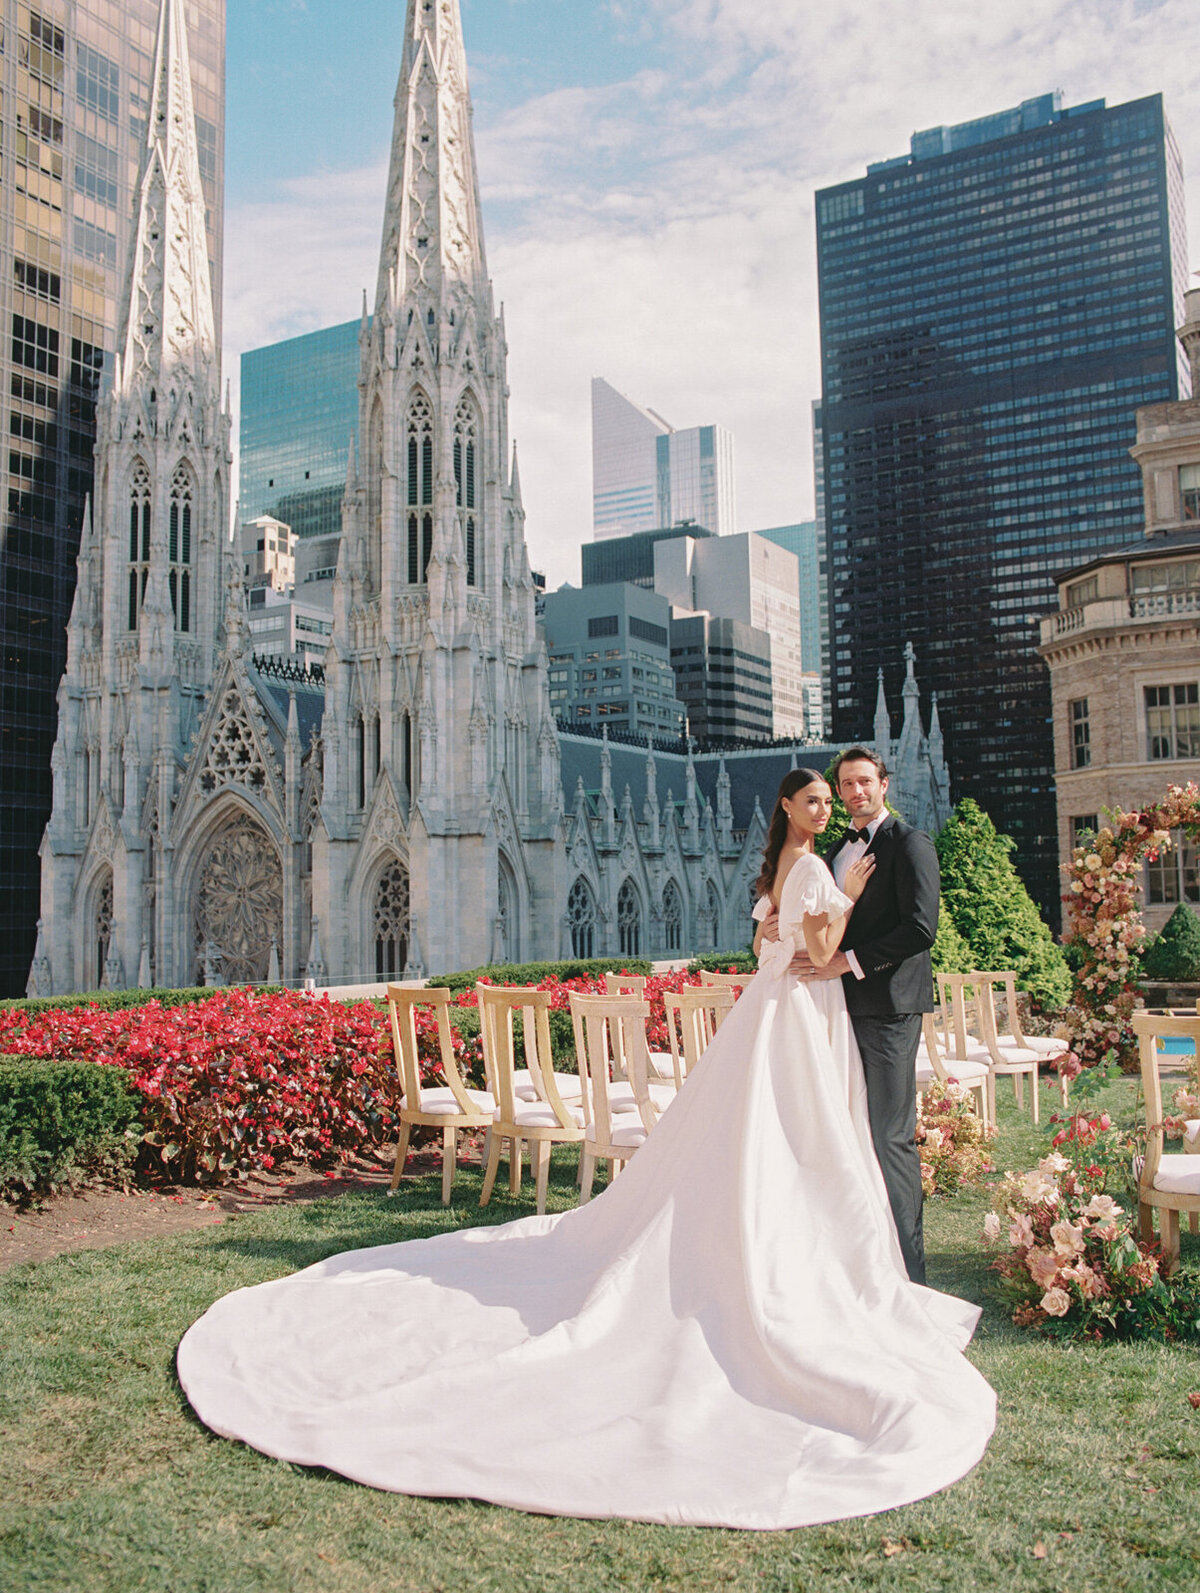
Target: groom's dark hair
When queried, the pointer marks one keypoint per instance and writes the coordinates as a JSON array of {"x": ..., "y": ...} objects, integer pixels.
[{"x": 857, "y": 755}]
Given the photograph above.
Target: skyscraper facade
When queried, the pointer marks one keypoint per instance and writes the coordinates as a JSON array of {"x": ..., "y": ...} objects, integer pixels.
[
  {"x": 646, "y": 474},
  {"x": 624, "y": 463},
  {"x": 994, "y": 306},
  {"x": 802, "y": 541},
  {"x": 299, "y": 415},
  {"x": 695, "y": 479},
  {"x": 74, "y": 113}
]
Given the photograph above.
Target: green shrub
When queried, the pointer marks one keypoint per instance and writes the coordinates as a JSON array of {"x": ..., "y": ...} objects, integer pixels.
[
  {"x": 724, "y": 962},
  {"x": 532, "y": 973},
  {"x": 61, "y": 1122},
  {"x": 1175, "y": 953},
  {"x": 950, "y": 952},
  {"x": 992, "y": 910},
  {"x": 116, "y": 1000}
]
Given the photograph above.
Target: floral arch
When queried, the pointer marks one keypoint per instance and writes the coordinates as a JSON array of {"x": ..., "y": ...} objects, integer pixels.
[{"x": 1105, "y": 921}]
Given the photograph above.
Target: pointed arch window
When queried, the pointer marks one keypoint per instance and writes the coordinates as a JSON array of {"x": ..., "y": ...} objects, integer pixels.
[
  {"x": 139, "y": 541},
  {"x": 103, "y": 927},
  {"x": 392, "y": 921},
  {"x": 672, "y": 917},
  {"x": 581, "y": 918},
  {"x": 629, "y": 921},
  {"x": 466, "y": 442},
  {"x": 179, "y": 547},
  {"x": 419, "y": 486}
]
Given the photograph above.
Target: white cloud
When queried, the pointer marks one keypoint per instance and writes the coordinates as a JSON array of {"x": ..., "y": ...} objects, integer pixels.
[{"x": 658, "y": 231}]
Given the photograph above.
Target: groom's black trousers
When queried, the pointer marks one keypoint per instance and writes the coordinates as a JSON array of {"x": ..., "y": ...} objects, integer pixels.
[{"x": 889, "y": 1048}]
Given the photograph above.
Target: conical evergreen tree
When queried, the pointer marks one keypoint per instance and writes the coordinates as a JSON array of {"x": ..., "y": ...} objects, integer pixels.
[
  {"x": 950, "y": 952},
  {"x": 992, "y": 910},
  {"x": 1175, "y": 953}
]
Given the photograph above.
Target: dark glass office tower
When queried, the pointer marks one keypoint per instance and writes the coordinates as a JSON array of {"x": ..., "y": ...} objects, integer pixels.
[
  {"x": 994, "y": 307},
  {"x": 76, "y": 93},
  {"x": 299, "y": 413}
]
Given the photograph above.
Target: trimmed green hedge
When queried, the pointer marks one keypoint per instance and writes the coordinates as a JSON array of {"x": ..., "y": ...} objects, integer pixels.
[
  {"x": 61, "y": 1122},
  {"x": 724, "y": 962},
  {"x": 116, "y": 1000},
  {"x": 532, "y": 973}
]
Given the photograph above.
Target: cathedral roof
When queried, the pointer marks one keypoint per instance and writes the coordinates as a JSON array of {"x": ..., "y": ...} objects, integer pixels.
[{"x": 275, "y": 683}]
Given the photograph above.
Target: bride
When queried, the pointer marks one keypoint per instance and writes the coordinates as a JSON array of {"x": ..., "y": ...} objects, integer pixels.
[{"x": 727, "y": 1337}]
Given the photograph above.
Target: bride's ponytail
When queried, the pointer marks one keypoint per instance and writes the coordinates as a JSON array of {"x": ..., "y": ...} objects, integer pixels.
[{"x": 795, "y": 780}]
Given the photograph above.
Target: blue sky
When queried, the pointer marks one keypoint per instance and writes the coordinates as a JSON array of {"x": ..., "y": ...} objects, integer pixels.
[{"x": 647, "y": 170}]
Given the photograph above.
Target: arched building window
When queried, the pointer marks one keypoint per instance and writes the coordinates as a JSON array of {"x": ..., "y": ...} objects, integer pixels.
[
  {"x": 581, "y": 918},
  {"x": 102, "y": 928},
  {"x": 139, "y": 540},
  {"x": 506, "y": 940},
  {"x": 419, "y": 486},
  {"x": 466, "y": 441},
  {"x": 672, "y": 917},
  {"x": 629, "y": 921},
  {"x": 392, "y": 920},
  {"x": 179, "y": 548}
]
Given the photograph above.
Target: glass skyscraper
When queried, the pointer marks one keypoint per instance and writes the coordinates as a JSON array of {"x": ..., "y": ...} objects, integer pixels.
[
  {"x": 299, "y": 412},
  {"x": 802, "y": 541},
  {"x": 994, "y": 307},
  {"x": 76, "y": 93}
]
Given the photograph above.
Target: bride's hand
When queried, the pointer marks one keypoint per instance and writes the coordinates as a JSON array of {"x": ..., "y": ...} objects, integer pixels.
[{"x": 857, "y": 876}]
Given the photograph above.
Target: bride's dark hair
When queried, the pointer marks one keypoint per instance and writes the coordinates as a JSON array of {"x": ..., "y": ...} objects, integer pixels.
[{"x": 795, "y": 780}]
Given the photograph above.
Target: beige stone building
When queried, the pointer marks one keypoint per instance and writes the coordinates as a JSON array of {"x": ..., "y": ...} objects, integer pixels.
[{"x": 1123, "y": 651}]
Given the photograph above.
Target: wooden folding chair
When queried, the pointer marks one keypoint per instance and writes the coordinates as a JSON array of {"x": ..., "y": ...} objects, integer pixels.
[
  {"x": 621, "y": 984},
  {"x": 1048, "y": 1048},
  {"x": 932, "y": 1063},
  {"x": 450, "y": 1107},
  {"x": 1170, "y": 1183},
  {"x": 544, "y": 1121},
  {"x": 693, "y": 1017},
  {"x": 610, "y": 1034}
]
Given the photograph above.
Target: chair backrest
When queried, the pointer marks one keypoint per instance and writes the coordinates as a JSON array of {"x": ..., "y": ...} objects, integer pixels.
[
  {"x": 498, "y": 1005},
  {"x": 736, "y": 982},
  {"x": 621, "y": 984},
  {"x": 610, "y": 1037},
  {"x": 933, "y": 1045},
  {"x": 955, "y": 991},
  {"x": 1007, "y": 978},
  {"x": 403, "y": 1002},
  {"x": 1150, "y": 1027},
  {"x": 694, "y": 1015}
]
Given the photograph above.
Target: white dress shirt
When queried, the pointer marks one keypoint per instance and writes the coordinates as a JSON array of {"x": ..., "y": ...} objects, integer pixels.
[{"x": 854, "y": 849}]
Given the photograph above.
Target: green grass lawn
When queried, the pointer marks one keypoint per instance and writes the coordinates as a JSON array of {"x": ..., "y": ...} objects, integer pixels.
[{"x": 108, "y": 1483}]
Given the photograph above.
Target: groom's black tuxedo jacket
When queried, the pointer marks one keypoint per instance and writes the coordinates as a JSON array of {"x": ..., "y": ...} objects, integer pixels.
[{"x": 893, "y": 924}]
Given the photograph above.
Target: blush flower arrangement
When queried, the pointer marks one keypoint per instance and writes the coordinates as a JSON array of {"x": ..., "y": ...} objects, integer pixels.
[
  {"x": 952, "y": 1140},
  {"x": 1073, "y": 1267},
  {"x": 1104, "y": 921}
]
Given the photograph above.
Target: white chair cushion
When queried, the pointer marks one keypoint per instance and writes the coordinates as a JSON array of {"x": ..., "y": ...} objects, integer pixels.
[
  {"x": 1178, "y": 1175},
  {"x": 631, "y": 1134},
  {"x": 965, "y": 1072},
  {"x": 1043, "y": 1044},
  {"x": 540, "y": 1116},
  {"x": 1014, "y": 1056},
  {"x": 925, "y": 1073},
  {"x": 621, "y": 1097},
  {"x": 567, "y": 1084},
  {"x": 441, "y": 1100},
  {"x": 660, "y": 1062}
]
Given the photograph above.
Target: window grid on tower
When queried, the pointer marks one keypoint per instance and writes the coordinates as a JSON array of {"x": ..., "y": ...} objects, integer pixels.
[
  {"x": 419, "y": 483},
  {"x": 465, "y": 435},
  {"x": 139, "y": 541},
  {"x": 179, "y": 548}
]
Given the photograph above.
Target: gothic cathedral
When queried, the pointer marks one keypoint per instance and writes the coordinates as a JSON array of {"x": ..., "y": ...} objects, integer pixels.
[{"x": 219, "y": 818}]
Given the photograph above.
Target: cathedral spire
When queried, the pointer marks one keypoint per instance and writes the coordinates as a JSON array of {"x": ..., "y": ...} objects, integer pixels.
[
  {"x": 432, "y": 234},
  {"x": 167, "y": 327}
]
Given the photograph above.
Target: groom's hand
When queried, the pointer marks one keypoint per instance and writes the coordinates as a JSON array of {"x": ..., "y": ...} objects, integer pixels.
[{"x": 804, "y": 968}]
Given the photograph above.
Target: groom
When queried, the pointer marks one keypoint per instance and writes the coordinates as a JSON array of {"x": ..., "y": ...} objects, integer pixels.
[{"x": 886, "y": 973}]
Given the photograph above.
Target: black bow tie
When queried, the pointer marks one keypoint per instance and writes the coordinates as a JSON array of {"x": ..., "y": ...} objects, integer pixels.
[{"x": 859, "y": 838}]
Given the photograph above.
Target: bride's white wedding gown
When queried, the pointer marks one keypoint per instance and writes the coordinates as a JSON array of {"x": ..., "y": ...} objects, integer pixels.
[{"x": 725, "y": 1337}]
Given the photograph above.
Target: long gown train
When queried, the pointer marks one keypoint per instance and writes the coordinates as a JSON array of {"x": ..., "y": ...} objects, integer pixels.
[{"x": 725, "y": 1337}]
